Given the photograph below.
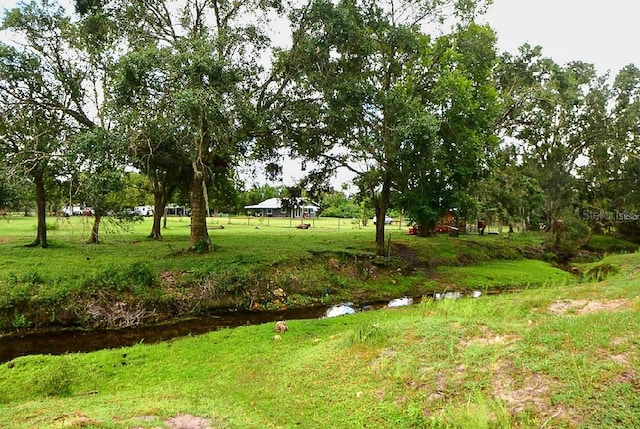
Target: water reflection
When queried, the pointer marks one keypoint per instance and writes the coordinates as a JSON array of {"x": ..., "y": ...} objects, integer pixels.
[
  {"x": 400, "y": 302},
  {"x": 339, "y": 310}
]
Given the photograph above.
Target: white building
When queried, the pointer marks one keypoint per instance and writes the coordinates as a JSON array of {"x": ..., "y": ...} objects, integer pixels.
[{"x": 278, "y": 207}]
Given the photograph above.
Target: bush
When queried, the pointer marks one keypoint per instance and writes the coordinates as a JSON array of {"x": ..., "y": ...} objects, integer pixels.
[{"x": 571, "y": 234}]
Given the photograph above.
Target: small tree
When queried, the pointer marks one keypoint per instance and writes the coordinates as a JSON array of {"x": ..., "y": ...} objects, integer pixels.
[{"x": 99, "y": 160}]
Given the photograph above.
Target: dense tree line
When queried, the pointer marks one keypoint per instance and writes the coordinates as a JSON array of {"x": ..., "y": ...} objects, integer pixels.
[{"x": 411, "y": 97}]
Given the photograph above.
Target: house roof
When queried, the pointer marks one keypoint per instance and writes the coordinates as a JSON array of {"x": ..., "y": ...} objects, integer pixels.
[{"x": 276, "y": 203}]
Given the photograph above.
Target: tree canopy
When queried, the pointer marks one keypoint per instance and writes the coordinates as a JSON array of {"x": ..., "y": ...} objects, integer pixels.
[{"x": 410, "y": 96}]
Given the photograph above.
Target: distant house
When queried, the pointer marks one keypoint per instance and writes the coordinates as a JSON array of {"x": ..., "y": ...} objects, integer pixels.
[
  {"x": 175, "y": 210},
  {"x": 274, "y": 207}
]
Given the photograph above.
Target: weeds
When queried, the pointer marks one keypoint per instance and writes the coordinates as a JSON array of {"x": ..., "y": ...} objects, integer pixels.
[
  {"x": 371, "y": 334},
  {"x": 19, "y": 319}
]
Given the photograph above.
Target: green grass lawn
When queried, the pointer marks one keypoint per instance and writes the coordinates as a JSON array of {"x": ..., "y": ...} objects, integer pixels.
[
  {"x": 555, "y": 356},
  {"x": 251, "y": 257},
  {"x": 501, "y": 275}
]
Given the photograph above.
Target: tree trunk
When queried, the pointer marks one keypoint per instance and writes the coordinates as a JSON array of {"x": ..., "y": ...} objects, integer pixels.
[
  {"x": 426, "y": 229},
  {"x": 380, "y": 204},
  {"x": 160, "y": 202},
  {"x": 380, "y": 244},
  {"x": 199, "y": 236},
  {"x": 41, "y": 208},
  {"x": 94, "y": 239}
]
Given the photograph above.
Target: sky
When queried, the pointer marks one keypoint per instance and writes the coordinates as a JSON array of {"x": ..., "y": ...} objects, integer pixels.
[{"x": 604, "y": 33}]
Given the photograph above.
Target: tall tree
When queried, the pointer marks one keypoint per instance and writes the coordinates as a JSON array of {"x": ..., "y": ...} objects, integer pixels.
[
  {"x": 38, "y": 92},
  {"x": 442, "y": 165},
  {"x": 155, "y": 145},
  {"x": 359, "y": 66},
  {"x": 99, "y": 160},
  {"x": 67, "y": 68},
  {"x": 30, "y": 139},
  {"x": 206, "y": 83},
  {"x": 509, "y": 193},
  {"x": 554, "y": 114},
  {"x": 610, "y": 178}
]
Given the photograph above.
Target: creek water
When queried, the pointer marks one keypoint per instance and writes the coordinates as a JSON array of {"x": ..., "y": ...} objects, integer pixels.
[{"x": 71, "y": 341}]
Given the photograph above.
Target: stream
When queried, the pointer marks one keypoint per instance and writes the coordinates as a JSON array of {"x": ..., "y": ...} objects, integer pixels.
[{"x": 71, "y": 341}]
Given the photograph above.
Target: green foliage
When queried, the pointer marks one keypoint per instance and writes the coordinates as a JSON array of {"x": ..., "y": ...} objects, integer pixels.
[
  {"x": 600, "y": 272},
  {"x": 372, "y": 334},
  {"x": 338, "y": 205},
  {"x": 101, "y": 156},
  {"x": 421, "y": 127},
  {"x": 604, "y": 244},
  {"x": 569, "y": 234},
  {"x": 449, "y": 150},
  {"x": 508, "y": 194},
  {"x": 19, "y": 319}
]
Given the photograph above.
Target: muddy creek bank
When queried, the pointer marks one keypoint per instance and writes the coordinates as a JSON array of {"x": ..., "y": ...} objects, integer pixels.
[{"x": 72, "y": 341}]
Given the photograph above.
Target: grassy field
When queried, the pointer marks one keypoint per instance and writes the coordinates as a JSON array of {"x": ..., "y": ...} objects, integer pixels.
[
  {"x": 558, "y": 356},
  {"x": 255, "y": 263}
]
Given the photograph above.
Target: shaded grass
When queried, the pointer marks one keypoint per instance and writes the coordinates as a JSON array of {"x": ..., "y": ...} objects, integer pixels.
[{"x": 610, "y": 244}]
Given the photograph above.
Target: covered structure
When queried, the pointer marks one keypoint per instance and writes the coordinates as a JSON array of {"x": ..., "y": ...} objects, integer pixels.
[{"x": 283, "y": 207}]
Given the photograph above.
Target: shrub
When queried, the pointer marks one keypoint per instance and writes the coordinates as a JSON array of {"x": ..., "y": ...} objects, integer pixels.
[{"x": 572, "y": 233}]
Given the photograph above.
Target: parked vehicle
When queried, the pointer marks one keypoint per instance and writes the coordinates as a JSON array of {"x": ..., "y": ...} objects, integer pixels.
[
  {"x": 72, "y": 211},
  {"x": 143, "y": 210},
  {"x": 387, "y": 220}
]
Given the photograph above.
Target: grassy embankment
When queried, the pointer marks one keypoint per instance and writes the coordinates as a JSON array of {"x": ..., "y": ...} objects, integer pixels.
[
  {"x": 73, "y": 283},
  {"x": 555, "y": 356}
]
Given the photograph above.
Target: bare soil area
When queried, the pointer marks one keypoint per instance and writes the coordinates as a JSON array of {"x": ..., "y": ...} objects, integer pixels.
[{"x": 583, "y": 306}]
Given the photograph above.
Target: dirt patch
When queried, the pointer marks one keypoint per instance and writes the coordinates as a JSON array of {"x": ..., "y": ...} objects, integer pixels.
[
  {"x": 520, "y": 390},
  {"x": 76, "y": 419},
  {"x": 492, "y": 340},
  {"x": 187, "y": 421},
  {"x": 489, "y": 338},
  {"x": 582, "y": 306},
  {"x": 408, "y": 255},
  {"x": 630, "y": 377},
  {"x": 530, "y": 390},
  {"x": 621, "y": 359},
  {"x": 183, "y": 421}
]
